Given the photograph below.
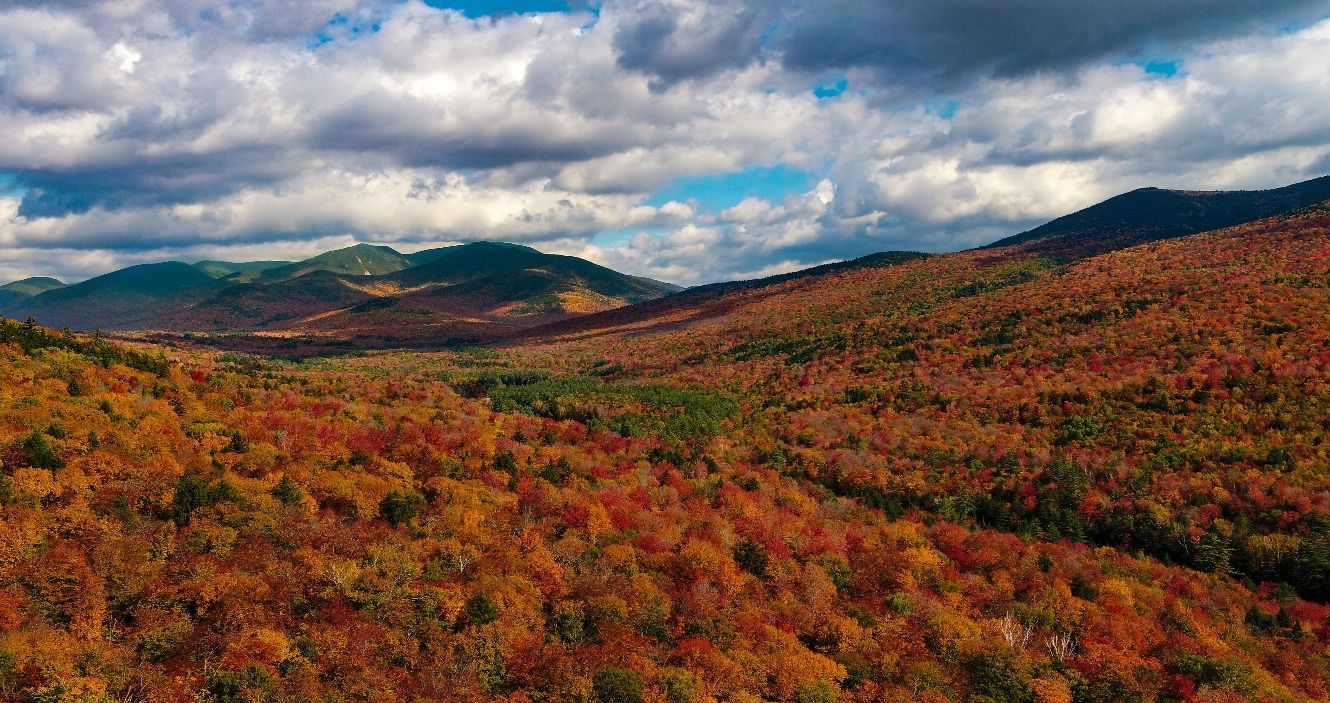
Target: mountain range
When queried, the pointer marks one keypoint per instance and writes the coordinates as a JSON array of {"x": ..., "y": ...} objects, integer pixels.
[
  {"x": 376, "y": 296},
  {"x": 475, "y": 291}
]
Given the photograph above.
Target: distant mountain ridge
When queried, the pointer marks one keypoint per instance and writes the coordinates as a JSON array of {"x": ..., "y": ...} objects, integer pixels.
[
  {"x": 355, "y": 260},
  {"x": 1126, "y": 220},
  {"x": 1151, "y": 214},
  {"x": 472, "y": 291},
  {"x": 369, "y": 295},
  {"x": 221, "y": 269}
]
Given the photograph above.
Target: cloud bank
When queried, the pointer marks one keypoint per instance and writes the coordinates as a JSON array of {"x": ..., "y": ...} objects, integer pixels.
[{"x": 141, "y": 131}]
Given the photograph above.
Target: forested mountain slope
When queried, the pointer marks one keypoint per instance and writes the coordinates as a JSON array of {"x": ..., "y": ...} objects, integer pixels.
[
  {"x": 1170, "y": 398},
  {"x": 978, "y": 477},
  {"x": 226, "y": 529},
  {"x": 14, "y": 293},
  {"x": 1151, "y": 214}
]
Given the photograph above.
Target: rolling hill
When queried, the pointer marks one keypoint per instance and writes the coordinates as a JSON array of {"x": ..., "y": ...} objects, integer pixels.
[
  {"x": 121, "y": 300},
  {"x": 1133, "y": 218},
  {"x": 257, "y": 304},
  {"x": 708, "y": 301},
  {"x": 12, "y": 294},
  {"x": 373, "y": 294},
  {"x": 1155, "y": 372},
  {"x": 482, "y": 290}
]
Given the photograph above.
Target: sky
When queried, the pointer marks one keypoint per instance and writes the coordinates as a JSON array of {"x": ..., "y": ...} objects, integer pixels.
[{"x": 687, "y": 140}]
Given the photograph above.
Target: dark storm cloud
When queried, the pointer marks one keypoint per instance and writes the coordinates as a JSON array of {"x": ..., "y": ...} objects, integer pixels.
[
  {"x": 956, "y": 40},
  {"x": 936, "y": 45},
  {"x": 673, "y": 43},
  {"x": 150, "y": 182},
  {"x": 413, "y": 133}
]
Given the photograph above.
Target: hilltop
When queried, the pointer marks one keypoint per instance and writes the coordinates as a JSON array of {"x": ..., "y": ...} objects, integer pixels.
[
  {"x": 12, "y": 294},
  {"x": 124, "y": 299},
  {"x": 222, "y": 269},
  {"x": 1152, "y": 214}
]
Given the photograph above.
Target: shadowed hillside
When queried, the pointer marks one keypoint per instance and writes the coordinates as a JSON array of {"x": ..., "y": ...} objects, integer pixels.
[
  {"x": 1151, "y": 214},
  {"x": 122, "y": 300}
]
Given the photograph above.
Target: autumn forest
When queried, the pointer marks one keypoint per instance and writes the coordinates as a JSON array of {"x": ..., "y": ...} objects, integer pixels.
[{"x": 1090, "y": 472}]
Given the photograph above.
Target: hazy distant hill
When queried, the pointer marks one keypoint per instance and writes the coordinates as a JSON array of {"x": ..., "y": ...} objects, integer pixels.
[
  {"x": 12, "y": 294},
  {"x": 357, "y": 260},
  {"x": 220, "y": 269}
]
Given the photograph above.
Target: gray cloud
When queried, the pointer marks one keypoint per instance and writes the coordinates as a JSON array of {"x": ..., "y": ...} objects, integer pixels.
[
  {"x": 679, "y": 41},
  {"x": 948, "y": 42},
  {"x": 414, "y": 133},
  {"x": 913, "y": 47}
]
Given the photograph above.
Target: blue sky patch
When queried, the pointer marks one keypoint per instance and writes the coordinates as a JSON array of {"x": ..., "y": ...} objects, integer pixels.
[
  {"x": 1164, "y": 68},
  {"x": 946, "y": 109},
  {"x": 717, "y": 192},
  {"x": 9, "y": 186},
  {"x": 342, "y": 27},
  {"x": 615, "y": 237},
  {"x": 482, "y": 8},
  {"x": 831, "y": 88}
]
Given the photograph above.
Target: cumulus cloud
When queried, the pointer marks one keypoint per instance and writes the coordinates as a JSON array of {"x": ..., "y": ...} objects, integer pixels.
[{"x": 258, "y": 129}]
